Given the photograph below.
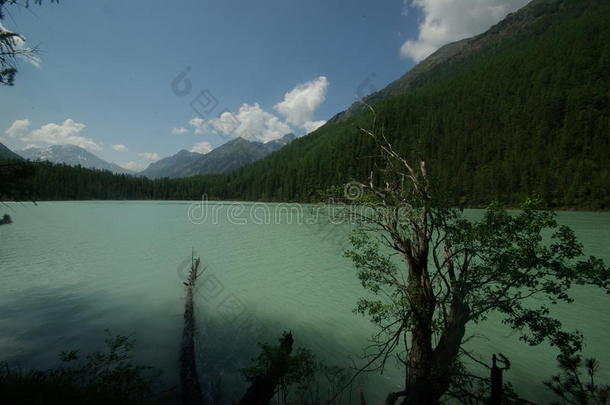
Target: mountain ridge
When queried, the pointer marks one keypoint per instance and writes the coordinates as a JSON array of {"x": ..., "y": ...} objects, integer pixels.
[
  {"x": 71, "y": 155},
  {"x": 6, "y": 153},
  {"x": 228, "y": 157}
]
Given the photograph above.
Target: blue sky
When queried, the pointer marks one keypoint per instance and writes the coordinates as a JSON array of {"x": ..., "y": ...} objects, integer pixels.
[{"x": 108, "y": 69}]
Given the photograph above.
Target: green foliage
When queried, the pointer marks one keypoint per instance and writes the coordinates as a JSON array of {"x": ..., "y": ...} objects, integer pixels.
[
  {"x": 516, "y": 264},
  {"x": 101, "y": 377},
  {"x": 300, "y": 368},
  {"x": 302, "y": 374},
  {"x": 575, "y": 388},
  {"x": 512, "y": 263}
]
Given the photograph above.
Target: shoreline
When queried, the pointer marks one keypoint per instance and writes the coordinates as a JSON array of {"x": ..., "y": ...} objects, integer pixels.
[{"x": 474, "y": 207}]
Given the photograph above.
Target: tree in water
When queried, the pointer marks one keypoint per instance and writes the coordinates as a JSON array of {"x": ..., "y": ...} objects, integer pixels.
[{"x": 432, "y": 272}]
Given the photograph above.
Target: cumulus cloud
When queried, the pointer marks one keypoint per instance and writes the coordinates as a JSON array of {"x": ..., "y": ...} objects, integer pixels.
[
  {"x": 23, "y": 51},
  {"x": 153, "y": 157},
  {"x": 251, "y": 122},
  {"x": 451, "y": 20},
  {"x": 199, "y": 126},
  {"x": 134, "y": 166},
  {"x": 67, "y": 132},
  {"x": 179, "y": 131},
  {"x": 120, "y": 148},
  {"x": 301, "y": 103},
  {"x": 18, "y": 128},
  {"x": 202, "y": 147}
]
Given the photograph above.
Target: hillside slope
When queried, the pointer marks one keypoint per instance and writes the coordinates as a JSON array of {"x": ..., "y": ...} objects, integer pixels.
[
  {"x": 6, "y": 153},
  {"x": 521, "y": 109}
]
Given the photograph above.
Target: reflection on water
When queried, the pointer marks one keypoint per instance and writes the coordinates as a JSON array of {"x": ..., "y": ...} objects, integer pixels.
[{"x": 72, "y": 269}]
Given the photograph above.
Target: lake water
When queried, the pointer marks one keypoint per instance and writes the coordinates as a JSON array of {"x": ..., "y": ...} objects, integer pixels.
[{"x": 70, "y": 270}]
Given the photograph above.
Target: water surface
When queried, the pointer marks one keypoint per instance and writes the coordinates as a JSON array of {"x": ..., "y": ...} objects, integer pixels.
[{"x": 70, "y": 270}]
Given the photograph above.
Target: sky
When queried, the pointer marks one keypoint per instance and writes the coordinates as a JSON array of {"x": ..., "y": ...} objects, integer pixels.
[{"x": 134, "y": 81}]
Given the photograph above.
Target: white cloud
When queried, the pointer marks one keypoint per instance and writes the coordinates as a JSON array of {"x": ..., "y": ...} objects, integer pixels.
[
  {"x": 153, "y": 157},
  {"x": 67, "y": 132},
  {"x": 199, "y": 125},
  {"x": 311, "y": 126},
  {"x": 202, "y": 147},
  {"x": 18, "y": 128},
  {"x": 251, "y": 122},
  {"x": 23, "y": 51},
  {"x": 301, "y": 103},
  {"x": 179, "y": 131},
  {"x": 134, "y": 166},
  {"x": 120, "y": 148},
  {"x": 451, "y": 20}
]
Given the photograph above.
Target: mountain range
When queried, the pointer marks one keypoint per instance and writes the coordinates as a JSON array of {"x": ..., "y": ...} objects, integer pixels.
[
  {"x": 71, "y": 155},
  {"x": 226, "y": 158},
  {"x": 522, "y": 109}
]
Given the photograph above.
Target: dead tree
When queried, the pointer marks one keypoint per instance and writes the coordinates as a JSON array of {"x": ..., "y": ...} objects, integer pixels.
[{"x": 189, "y": 379}]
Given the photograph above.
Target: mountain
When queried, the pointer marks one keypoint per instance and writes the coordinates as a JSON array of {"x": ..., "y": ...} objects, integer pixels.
[
  {"x": 71, "y": 155},
  {"x": 226, "y": 158},
  {"x": 172, "y": 166},
  {"x": 6, "y": 153},
  {"x": 521, "y": 109}
]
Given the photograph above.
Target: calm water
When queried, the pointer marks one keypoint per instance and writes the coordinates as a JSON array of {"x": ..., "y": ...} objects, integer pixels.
[{"x": 70, "y": 270}]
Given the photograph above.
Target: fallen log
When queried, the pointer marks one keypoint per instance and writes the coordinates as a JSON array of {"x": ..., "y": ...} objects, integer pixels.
[{"x": 189, "y": 380}]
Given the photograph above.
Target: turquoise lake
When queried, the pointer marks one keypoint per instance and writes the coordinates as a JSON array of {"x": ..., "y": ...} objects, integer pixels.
[{"x": 70, "y": 270}]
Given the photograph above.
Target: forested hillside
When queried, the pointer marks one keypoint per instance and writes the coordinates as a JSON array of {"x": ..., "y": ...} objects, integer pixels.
[
  {"x": 522, "y": 109},
  {"x": 528, "y": 114}
]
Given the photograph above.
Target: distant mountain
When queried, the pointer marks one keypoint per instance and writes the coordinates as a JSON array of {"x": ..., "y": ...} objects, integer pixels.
[
  {"x": 226, "y": 158},
  {"x": 6, "y": 153},
  {"x": 172, "y": 166},
  {"x": 71, "y": 155}
]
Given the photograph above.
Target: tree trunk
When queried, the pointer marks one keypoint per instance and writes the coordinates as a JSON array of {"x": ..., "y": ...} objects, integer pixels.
[
  {"x": 189, "y": 379},
  {"x": 430, "y": 370},
  {"x": 420, "y": 373}
]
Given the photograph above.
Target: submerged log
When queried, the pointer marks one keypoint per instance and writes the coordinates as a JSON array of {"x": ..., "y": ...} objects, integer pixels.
[{"x": 189, "y": 379}]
